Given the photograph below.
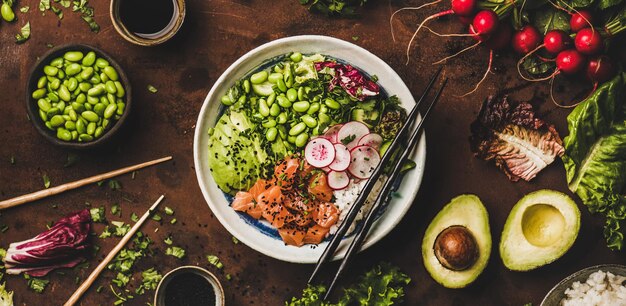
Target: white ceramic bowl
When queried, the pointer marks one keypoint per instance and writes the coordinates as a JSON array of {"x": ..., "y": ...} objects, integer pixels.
[{"x": 256, "y": 235}]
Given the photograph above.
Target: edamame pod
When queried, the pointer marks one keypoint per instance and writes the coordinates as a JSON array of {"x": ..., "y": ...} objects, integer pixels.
[
  {"x": 297, "y": 129},
  {"x": 301, "y": 106},
  {"x": 301, "y": 140},
  {"x": 309, "y": 121},
  {"x": 271, "y": 134},
  {"x": 259, "y": 77}
]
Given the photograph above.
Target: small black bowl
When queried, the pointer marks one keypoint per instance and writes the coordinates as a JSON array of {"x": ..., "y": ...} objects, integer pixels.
[{"x": 33, "y": 108}]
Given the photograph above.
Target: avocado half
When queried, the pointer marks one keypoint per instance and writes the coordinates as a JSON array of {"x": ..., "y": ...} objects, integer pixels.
[
  {"x": 464, "y": 211},
  {"x": 540, "y": 228}
]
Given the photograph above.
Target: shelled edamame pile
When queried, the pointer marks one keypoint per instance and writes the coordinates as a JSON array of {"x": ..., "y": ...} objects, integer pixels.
[{"x": 79, "y": 96}]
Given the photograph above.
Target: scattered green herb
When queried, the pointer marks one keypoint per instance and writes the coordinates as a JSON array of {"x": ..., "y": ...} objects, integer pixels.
[
  {"x": 175, "y": 251},
  {"x": 235, "y": 240},
  {"x": 36, "y": 284},
  {"x": 46, "y": 181},
  {"x": 44, "y": 5},
  {"x": 49, "y": 45},
  {"x": 214, "y": 260},
  {"x": 348, "y": 139},
  {"x": 168, "y": 240},
  {"x": 121, "y": 228},
  {"x": 134, "y": 217},
  {"x": 114, "y": 185},
  {"x": 152, "y": 89},
  {"x": 4, "y": 228},
  {"x": 121, "y": 280},
  {"x": 173, "y": 221},
  {"x": 116, "y": 210},
  {"x": 228, "y": 277},
  {"x": 169, "y": 211},
  {"x": 355, "y": 38},
  {"x": 72, "y": 158},
  {"x": 99, "y": 289},
  {"x": 149, "y": 280},
  {"x": 132, "y": 175},
  {"x": 156, "y": 217},
  {"x": 106, "y": 233},
  {"x": 335, "y": 8},
  {"x": 12, "y": 160},
  {"x": 24, "y": 9},
  {"x": 97, "y": 214}
]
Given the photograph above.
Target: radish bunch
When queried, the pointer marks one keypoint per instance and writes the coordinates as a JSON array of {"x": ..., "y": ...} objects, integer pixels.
[{"x": 345, "y": 151}]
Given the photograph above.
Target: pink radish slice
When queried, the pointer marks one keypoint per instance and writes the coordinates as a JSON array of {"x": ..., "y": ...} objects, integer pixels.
[
  {"x": 331, "y": 133},
  {"x": 338, "y": 180},
  {"x": 363, "y": 161},
  {"x": 326, "y": 169},
  {"x": 351, "y": 132},
  {"x": 319, "y": 152},
  {"x": 373, "y": 140},
  {"x": 342, "y": 158}
]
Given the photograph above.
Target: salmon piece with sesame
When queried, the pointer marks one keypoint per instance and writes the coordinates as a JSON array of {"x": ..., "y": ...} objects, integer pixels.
[
  {"x": 315, "y": 234},
  {"x": 326, "y": 214},
  {"x": 293, "y": 235},
  {"x": 245, "y": 202},
  {"x": 285, "y": 172},
  {"x": 318, "y": 186},
  {"x": 273, "y": 209}
]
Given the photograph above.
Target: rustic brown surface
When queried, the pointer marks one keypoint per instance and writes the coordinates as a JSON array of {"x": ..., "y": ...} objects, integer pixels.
[{"x": 214, "y": 35}]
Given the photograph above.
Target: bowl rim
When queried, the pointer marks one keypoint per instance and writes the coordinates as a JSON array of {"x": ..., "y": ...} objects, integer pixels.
[
  {"x": 377, "y": 233},
  {"x": 36, "y": 72},
  {"x": 559, "y": 288},
  {"x": 220, "y": 298}
]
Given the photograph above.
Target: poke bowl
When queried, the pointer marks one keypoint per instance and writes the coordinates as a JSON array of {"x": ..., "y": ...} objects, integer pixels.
[{"x": 288, "y": 135}]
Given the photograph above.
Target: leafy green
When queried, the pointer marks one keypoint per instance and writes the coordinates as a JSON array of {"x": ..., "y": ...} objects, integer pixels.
[
  {"x": 381, "y": 286},
  {"x": 214, "y": 260},
  {"x": 604, "y": 4},
  {"x": 97, "y": 214},
  {"x": 134, "y": 217},
  {"x": 175, "y": 251},
  {"x": 24, "y": 9},
  {"x": 536, "y": 67},
  {"x": 339, "y": 8},
  {"x": 36, "y": 284},
  {"x": 44, "y": 5},
  {"x": 549, "y": 18},
  {"x": 6, "y": 297},
  {"x": 149, "y": 280},
  {"x": 116, "y": 210},
  {"x": 595, "y": 156}
]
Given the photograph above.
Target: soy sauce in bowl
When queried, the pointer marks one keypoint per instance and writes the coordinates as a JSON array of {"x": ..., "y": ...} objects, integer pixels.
[
  {"x": 146, "y": 16},
  {"x": 189, "y": 289}
]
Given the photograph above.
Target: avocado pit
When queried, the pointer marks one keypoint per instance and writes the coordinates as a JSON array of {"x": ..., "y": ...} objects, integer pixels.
[{"x": 455, "y": 248}]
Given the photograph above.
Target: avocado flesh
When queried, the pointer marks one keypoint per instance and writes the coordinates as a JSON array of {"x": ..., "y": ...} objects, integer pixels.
[
  {"x": 540, "y": 228},
  {"x": 467, "y": 211}
]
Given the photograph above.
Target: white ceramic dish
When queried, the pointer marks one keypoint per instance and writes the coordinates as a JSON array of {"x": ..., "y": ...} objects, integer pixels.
[{"x": 250, "y": 233}]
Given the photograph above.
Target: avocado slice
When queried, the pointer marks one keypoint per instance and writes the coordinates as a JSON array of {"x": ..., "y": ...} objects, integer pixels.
[
  {"x": 540, "y": 228},
  {"x": 457, "y": 243}
]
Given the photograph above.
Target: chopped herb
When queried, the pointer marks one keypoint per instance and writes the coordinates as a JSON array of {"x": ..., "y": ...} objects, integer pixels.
[
  {"x": 97, "y": 214},
  {"x": 116, "y": 210},
  {"x": 72, "y": 159},
  {"x": 24, "y": 9},
  {"x": 235, "y": 240},
  {"x": 132, "y": 175},
  {"x": 152, "y": 89},
  {"x": 57, "y": 11},
  {"x": 228, "y": 277},
  {"x": 46, "y": 181},
  {"x": 36, "y": 284},
  {"x": 355, "y": 38},
  {"x": 65, "y": 3},
  {"x": 134, "y": 217},
  {"x": 77, "y": 280},
  {"x": 168, "y": 240},
  {"x": 55, "y": 206},
  {"x": 49, "y": 45},
  {"x": 114, "y": 185},
  {"x": 173, "y": 221},
  {"x": 175, "y": 251},
  {"x": 156, "y": 217},
  {"x": 44, "y": 5},
  {"x": 4, "y": 228},
  {"x": 99, "y": 289},
  {"x": 100, "y": 183},
  {"x": 106, "y": 233},
  {"x": 348, "y": 139},
  {"x": 149, "y": 280},
  {"x": 121, "y": 228},
  {"x": 214, "y": 260},
  {"x": 169, "y": 211},
  {"x": 121, "y": 279},
  {"x": 12, "y": 160}
]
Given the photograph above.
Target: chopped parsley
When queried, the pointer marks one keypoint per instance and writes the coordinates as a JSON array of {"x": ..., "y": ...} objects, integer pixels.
[
  {"x": 97, "y": 214},
  {"x": 169, "y": 211},
  {"x": 214, "y": 260},
  {"x": 116, "y": 210},
  {"x": 134, "y": 217},
  {"x": 348, "y": 139},
  {"x": 175, "y": 251},
  {"x": 36, "y": 284},
  {"x": 152, "y": 89},
  {"x": 46, "y": 181}
]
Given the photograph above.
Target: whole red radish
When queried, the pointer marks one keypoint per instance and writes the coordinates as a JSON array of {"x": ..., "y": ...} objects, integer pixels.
[
  {"x": 588, "y": 41},
  {"x": 556, "y": 41},
  {"x": 463, "y": 7},
  {"x": 570, "y": 61},
  {"x": 600, "y": 69},
  {"x": 580, "y": 20},
  {"x": 475, "y": 34},
  {"x": 501, "y": 38},
  {"x": 526, "y": 39},
  {"x": 485, "y": 22}
]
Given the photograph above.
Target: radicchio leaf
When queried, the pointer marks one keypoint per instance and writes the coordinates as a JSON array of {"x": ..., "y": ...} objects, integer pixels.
[
  {"x": 350, "y": 79},
  {"x": 63, "y": 245},
  {"x": 510, "y": 134}
]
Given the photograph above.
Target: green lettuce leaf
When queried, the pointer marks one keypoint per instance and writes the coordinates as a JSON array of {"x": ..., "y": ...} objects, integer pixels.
[{"x": 595, "y": 155}]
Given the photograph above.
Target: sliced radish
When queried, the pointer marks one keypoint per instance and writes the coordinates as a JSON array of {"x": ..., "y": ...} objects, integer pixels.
[
  {"x": 342, "y": 158},
  {"x": 338, "y": 180},
  {"x": 363, "y": 161},
  {"x": 351, "y": 132},
  {"x": 372, "y": 139},
  {"x": 319, "y": 152},
  {"x": 326, "y": 169},
  {"x": 331, "y": 133}
]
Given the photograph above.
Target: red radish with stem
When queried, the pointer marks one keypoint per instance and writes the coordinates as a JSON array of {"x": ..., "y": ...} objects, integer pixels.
[
  {"x": 556, "y": 41},
  {"x": 463, "y": 7},
  {"x": 485, "y": 22},
  {"x": 588, "y": 41},
  {"x": 569, "y": 62},
  {"x": 600, "y": 69},
  {"x": 475, "y": 35},
  {"x": 526, "y": 39},
  {"x": 580, "y": 20}
]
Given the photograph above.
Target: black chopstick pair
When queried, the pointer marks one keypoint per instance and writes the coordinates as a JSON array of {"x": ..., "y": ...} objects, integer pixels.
[{"x": 382, "y": 196}]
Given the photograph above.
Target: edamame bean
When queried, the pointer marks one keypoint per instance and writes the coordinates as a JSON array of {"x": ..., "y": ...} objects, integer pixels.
[
  {"x": 57, "y": 62},
  {"x": 73, "y": 56},
  {"x": 313, "y": 109},
  {"x": 259, "y": 77},
  {"x": 74, "y": 135},
  {"x": 80, "y": 126},
  {"x": 7, "y": 12},
  {"x": 332, "y": 103},
  {"x": 95, "y": 91},
  {"x": 50, "y": 70},
  {"x": 64, "y": 93},
  {"x": 271, "y": 134},
  {"x": 110, "y": 110},
  {"x": 57, "y": 120},
  {"x": 282, "y": 118},
  {"x": 64, "y": 134},
  {"x": 70, "y": 125},
  {"x": 120, "y": 109},
  {"x": 44, "y": 105},
  {"x": 49, "y": 126},
  {"x": 269, "y": 123},
  {"x": 289, "y": 80},
  {"x": 291, "y": 139},
  {"x": 84, "y": 87},
  {"x": 53, "y": 97},
  {"x": 309, "y": 121},
  {"x": 301, "y": 140},
  {"x": 73, "y": 69},
  {"x": 274, "y": 77},
  {"x": 274, "y": 109},
  {"x": 111, "y": 98},
  {"x": 283, "y": 101},
  {"x": 42, "y": 82},
  {"x": 88, "y": 106},
  {"x": 72, "y": 84},
  {"x": 39, "y": 93},
  {"x": 99, "y": 110},
  {"x": 86, "y": 73},
  {"x": 98, "y": 132},
  {"x": 120, "y": 89},
  {"x": 301, "y": 106},
  {"x": 90, "y": 116},
  {"x": 105, "y": 123},
  {"x": 81, "y": 98},
  {"x": 281, "y": 85},
  {"x": 53, "y": 111},
  {"x": 61, "y": 74},
  {"x": 297, "y": 129},
  {"x": 246, "y": 86},
  {"x": 296, "y": 57},
  {"x": 54, "y": 85},
  {"x": 323, "y": 118},
  {"x": 264, "y": 110},
  {"x": 91, "y": 128},
  {"x": 226, "y": 100},
  {"x": 89, "y": 59},
  {"x": 73, "y": 115},
  {"x": 110, "y": 87},
  {"x": 103, "y": 77},
  {"x": 61, "y": 106},
  {"x": 111, "y": 73},
  {"x": 271, "y": 98},
  {"x": 292, "y": 94},
  {"x": 101, "y": 63},
  {"x": 85, "y": 137}
]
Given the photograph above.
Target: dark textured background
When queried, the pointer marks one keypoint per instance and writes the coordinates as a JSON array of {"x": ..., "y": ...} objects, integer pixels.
[{"x": 214, "y": 35}]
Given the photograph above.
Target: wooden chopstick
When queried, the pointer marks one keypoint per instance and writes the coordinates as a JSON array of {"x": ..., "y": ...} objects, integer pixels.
[
  {"x": 351, "y": 215},
  {"x": 96, "y": 272},
  {"x": 73, "y": 185},
  {"x": 382, "y": 196}
]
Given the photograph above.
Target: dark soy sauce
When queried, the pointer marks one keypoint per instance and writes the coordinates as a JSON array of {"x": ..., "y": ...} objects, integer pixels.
[
  {"x": 146, "y": 16},
  {"x": 189, "y": 289}
]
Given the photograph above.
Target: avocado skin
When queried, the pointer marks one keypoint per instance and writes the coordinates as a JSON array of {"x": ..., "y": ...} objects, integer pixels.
[{"x": 465, "y": 210}]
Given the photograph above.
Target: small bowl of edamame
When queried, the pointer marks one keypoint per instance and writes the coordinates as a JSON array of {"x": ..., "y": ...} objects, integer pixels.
[{"x": 77, "y": 96}]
